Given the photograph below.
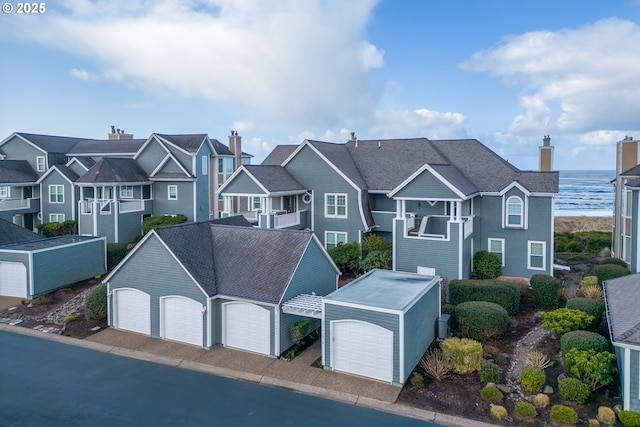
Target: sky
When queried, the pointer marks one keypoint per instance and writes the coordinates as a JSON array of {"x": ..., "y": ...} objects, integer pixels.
[{"x": 506, "y": 73}]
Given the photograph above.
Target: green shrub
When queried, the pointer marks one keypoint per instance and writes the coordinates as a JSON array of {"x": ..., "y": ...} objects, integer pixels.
[
  {"x": 152, "y": 222},
  {"x": 541, "y": 400},
  {"x": 504, "y": 294},
  {"x": 606, "y": 416},
  {"x": 490, "y": 393},
  {"x": 596, "y": 369},
  {"x": 563, "y": 414},
  {"x": 53, "y": 229},
  {"x": 545, "y": 291},
  {"x": 373, "y": 243},
  {"x": 115, "y": 254},
  {"x": 487, "y": 265},
  {"x": 448, "y": 309},
  {"x": 465, "y": 355},
  {"x": 573, "y": 389},
  {"x": 591, "y": 242},
  {"x": 481, "y": 320},
  {"x": 299, "y": 330},
  {"x": 490, "y": 373},
  {"x": 532, "y": 379},
  {"x": 346, "y": 256},
  {"x": 609, "y": 271},
  {"x": 565, "y": 320},
  {"x": 96, "y": 303},
  {"x": 376, "y": 259},
  {"x": 498, "y": 412},
  {"x": 629, "y": 418},
  {"x": 614, "y": 261},
  {"x": 588, "y": 281},
  {"x": 583, "y": 340},
  {"x": 417, "y": 381},
  {"x": 592, "y": 307},
  {"x": 525, "y": 410}
]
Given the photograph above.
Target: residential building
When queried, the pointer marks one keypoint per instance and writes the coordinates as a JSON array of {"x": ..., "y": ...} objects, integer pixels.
[
  {"x": 438, "y": 202},
  {"x": 626, "y": 182},
  {"x": 109, "y": 186}
]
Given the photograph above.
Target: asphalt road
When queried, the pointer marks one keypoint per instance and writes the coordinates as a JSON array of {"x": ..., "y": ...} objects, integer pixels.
[{"x": 45, "y": 383}]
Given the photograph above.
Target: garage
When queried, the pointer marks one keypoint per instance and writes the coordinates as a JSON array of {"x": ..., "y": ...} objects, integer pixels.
[
  {"x": 247, "y": 327},
  {"x": 181, "y": 320},
  {"x": 362, "y": 348},
  {"x": 132, "y": 310},
  {"x": 380, "y": 325},
  {"x": 13, "y": 279}
]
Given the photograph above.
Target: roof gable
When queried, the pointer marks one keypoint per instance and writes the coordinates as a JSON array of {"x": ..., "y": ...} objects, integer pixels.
[
  {"x": 11, "y": 234},
  {"x": 68, "y": 174},
  {"x": 188, "y": 143},
  {"x": 17, "y": 172},
  {"x": 427, "y": 181},
  {"x": 242, "y": 182},
  {"x": 109, "y": 170},
  {"x": 274, "y": 179},
  {"x": 279, "y": 154}
]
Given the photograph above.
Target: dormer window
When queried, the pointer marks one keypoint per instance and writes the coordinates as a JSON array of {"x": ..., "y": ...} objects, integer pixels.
[
  {"x": 515, "y": 212},
  {"x": 40, "y": 164}
]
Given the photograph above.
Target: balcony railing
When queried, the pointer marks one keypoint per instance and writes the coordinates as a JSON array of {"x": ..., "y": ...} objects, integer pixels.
[
  {"x": 131, "y": 206},
  {"x": 16, "y": 204},
  {"x": 286, "y": 219}
]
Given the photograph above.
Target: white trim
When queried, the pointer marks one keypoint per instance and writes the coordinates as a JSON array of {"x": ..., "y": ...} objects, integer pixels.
[
  {"x": 58, "y": 215},
  {"x": 166, "y": 141},
  {"x": 5, "y": 191},
  {"x": 431, "y": 170},
  {"x": 58, "y": 186},
  {"x": 460, "y": 245},
  {"x": 123, "y": 196},
  {"x": 489, "y": 240},
  {"x": 208, "y": 325},
  {"x": 169, "y": 187},
  {"x": 505, "y": 212},
  {"x": 151, "y": 138},
  {"x": 233, "y": 176},
  {"x": 164, "y": 161},
  {"x": 276, "y": 331},
  {"x": 544, "y": 255},
  {"x": 47, "y": 173},
  {"x": 346, "y": 238},
  {"x": 627, "y": 381},
  {"x": 365, "y": 307},
  {"x": 204, "y": 165},
  {"x": 517, "y": 185},
  {"x": 400, "y": 351},
  {"x": 44, "y": 163},
  {"x": 336, "y": 205},
  {"x": 31, "y": 284},
  {"x": 18, "y": 135}
]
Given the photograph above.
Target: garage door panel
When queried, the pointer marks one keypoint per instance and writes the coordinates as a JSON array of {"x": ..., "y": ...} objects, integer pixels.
[
  {"x": 248, "y": 327},
  {"x": 182, "y": 320},
  {"x": 13, "y": 279},
  {"x": 133, "y": 311},
  {"x": 362, "y": 348}
]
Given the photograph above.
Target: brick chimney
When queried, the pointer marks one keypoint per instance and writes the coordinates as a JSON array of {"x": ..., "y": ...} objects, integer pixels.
[
  {"x": 119, "y": 134},
  {"x": 235, "y": 146},
  {"x": 546, "y": 155}
]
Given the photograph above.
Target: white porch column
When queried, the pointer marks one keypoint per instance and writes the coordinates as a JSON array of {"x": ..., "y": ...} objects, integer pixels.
[
  {"x": 398, "y": 209},
  {"x": 458, "y": 211},
  {"x": 403, "y": 208}
]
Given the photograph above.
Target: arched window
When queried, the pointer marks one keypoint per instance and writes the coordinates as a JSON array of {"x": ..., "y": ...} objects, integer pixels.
[{"x": 514, "y": 211}]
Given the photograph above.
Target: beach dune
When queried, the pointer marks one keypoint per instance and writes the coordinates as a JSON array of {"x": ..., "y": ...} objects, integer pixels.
[{"x": 564, "y": 224}]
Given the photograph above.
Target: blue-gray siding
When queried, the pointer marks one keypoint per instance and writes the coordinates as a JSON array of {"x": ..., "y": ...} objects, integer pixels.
[
  {"x": 630, "y": 377},
  {"x": 420, "y": 328},
  {"x": 70, "y": 198},
  {"x": 153, "y": 270},
  {"x": 183, "y": 205},
  {"x": 17, "y": 149},
  {"x": 243, "y": 184},
  {"x": 426, "y": 185},
  {"x": 151, "y": 156},
  {"x": 388, "y": 321},
  {"x": 203, "y": 189},
  {"x": 634, "y": 232}
]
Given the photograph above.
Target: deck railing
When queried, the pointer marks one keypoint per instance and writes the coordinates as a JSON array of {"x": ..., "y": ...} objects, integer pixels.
[{"x": 286, "y": 219}]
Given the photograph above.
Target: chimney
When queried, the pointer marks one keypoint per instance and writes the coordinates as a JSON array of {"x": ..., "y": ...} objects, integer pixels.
[
  {"x": 546, "y": 155},
  {"x": 235, "y": 146},
  {"x": 118, "y": 134}
]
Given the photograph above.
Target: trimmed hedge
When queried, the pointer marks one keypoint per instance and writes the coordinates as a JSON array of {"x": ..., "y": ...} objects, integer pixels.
[
  {"x": 575, "y": 390},
  {"x": 53, "y": 229},
  {"x": 504, "y": 294},
  {"x": 583, "y": 340},
  {"x": 609, "y": 271},
  {"x": 629, "y": 418},
  {"x": 565, "y": 320},
  {"x": 532, "y": 379},
  {"x": 490, "y": 393},
  {"x": 545, "y": 291},
  {"x": 96, "y": 303},
  {"x": 486, "y": 265},
  {"x": 490, "y": 373},
  {"x": 615, "y": 261},
  {"x": 563, "y": 414},
  {"x": 152, "y": 222},
  {"x": 481, "y": 320},
  {"x": 115, "y": 254},
  {"x": 590, "y": 306}
]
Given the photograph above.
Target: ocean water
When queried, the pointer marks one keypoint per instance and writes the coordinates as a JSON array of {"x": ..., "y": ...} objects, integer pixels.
[{"x": 585, "y": 192}]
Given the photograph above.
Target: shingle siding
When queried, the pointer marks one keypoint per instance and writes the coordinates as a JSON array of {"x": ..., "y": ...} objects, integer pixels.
[
  {"x": 388, "y": 321},
  {"x": 137, "y": 273}
]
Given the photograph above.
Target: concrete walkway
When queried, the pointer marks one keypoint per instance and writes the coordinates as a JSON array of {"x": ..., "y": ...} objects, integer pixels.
[{"x": 298, "y": 375}]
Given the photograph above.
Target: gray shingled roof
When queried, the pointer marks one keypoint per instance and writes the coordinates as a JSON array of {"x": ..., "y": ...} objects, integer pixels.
[
  {"x": 338, "y": 154},
  {"x": 634, "y": 171},
  {"x": 52, "y": 144},
  {"x": 216, "y": 256},
  {"x": 274, "y": 178},
  {"x": 190, "y": 142},
  {"x": 635, "y": 183},
  {"x": 87, "y": 162},
  {"x": 220, "y": 148},
  {"x": 622, "y": 296},
  {"x": 109, "y": 170},
  {"x": 279, "y": 154},
  {"x": 17, "y": 172},
  {"x": 68, "y": 173},
  {"x": 238, "y": 220},
  {"x": 11, "y": 234},
  {"x": 101, "y": 147}
]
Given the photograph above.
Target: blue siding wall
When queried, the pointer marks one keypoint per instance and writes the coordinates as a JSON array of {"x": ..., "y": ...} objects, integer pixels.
[
  {"x": 151, "y": 156},
  {"x": 634, "y": 232},
  {"x": 203, "y": 189},
  {"x": 66, "y": 208},
  {"x": 130, "y": 226},
  {"x": 65, "y": 265},
  {"x": 420, "y": 328},
  {"x": 152, "y": 269},
  {"x": 242, "y": 184},
  {"x": 183, "y": 205},
  {"x": 17, "y": 149},
  {"x": 426, "y": 185},
  {"x": 634, "y": 374},
  {"x": 313, "y": 173},
  {"x": 380, "y": 202},
  {"x": 386, "y": 320}
]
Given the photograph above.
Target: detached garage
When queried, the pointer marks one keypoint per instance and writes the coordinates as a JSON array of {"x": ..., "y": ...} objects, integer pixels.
[
  {"x": 31, "y": 264},
  {"x": 380, "y": 325}
]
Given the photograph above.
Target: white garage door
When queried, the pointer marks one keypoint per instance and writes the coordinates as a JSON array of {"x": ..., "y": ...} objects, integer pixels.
[
  {"x": 132, "y": 310},
  {"x": 13, "y": 279},
  {"x": 182, "y": 320},
  {"x": 362, "y": 348},
  {"x": 247, "y": 327}
]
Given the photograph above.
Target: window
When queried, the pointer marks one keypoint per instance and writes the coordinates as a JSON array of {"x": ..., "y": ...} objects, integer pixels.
[
  {"x": 56, "y": 194},
  {"x": 628, "y": 203},
  {"x": 514, "y": 211},
  {"x": 40, "y": 164},
  {"x": 537, "y": 256},
  {"x": 496, "y": 247},
  {"x": 335, "y": 205},
  {"x": 126, "y": 192},
  {"x": 4, "y": 192},
  {"x": 246, "y": 160},
  {"x": 205, "y": 165},
  {"x": 172, "y": 192},
  {"x": 56, "y": 217},
  {"x": 256, "y": 203},
  {"x": 626, "y": 248},
  {"x": 333, "y": 238}
]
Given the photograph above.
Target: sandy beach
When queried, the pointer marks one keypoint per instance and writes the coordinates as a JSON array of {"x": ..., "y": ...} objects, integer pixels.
[{"x": 582, "y": 223}]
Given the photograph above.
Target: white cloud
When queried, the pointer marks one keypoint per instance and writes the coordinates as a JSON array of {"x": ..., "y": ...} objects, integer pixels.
[
  {"x": 588, "y": 75},
  {"x": 83, "y": 74},
  {"x": 300, "y": 60},
  {"x": 418, "y": 123},
  {"x": 242, "y": 125}
]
